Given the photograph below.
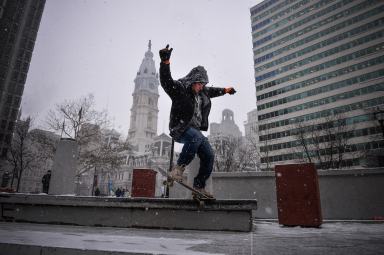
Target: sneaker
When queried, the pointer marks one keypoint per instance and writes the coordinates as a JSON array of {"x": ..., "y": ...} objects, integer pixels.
[
  {"x": 206, "y": 193},
  {"x": 177, "y": 173}
]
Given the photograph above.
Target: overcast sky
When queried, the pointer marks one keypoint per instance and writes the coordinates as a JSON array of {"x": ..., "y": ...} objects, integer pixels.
[{"x": 97, "y": 46}]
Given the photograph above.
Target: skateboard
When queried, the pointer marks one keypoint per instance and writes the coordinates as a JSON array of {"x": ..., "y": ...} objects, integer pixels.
[{"x": 199, "y": 197}]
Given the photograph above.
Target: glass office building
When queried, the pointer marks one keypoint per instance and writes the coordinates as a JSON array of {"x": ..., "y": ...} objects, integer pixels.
[
  {"x": 319, "y": 78},
  {"x": 19, "y": 23}
]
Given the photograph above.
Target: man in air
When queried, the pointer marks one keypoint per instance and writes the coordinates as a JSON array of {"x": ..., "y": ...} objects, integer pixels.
[{"x": 190, "y": 109}]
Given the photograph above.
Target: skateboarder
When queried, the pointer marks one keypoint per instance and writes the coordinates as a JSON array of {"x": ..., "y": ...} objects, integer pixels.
[{"x": 191, "y": 105}]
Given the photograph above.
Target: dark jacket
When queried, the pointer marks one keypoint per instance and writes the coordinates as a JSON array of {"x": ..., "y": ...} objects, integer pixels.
[
  {"x": 183, "y": 102},
  {"x": 46, "y": 179}
]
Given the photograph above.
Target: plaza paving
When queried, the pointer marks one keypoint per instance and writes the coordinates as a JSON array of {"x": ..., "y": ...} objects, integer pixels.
[{"x": 268, "y": 237}]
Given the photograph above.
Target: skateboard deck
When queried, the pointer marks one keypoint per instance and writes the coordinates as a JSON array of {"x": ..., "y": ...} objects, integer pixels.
[{"x": 196, "y": 195}]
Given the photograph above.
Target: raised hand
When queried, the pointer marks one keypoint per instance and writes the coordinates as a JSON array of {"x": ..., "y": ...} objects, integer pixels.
[
  {"x": 165, "y": 54},
  {"x": 230, "y": 90}
]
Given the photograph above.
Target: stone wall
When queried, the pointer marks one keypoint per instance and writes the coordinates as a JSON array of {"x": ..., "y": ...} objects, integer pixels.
[{"x": 356, "y": 194}]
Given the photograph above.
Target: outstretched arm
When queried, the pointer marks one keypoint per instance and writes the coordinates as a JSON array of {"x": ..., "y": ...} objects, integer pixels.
[
  {"x": 215, "y": 92},
  {"x": 169, "y": 85}
]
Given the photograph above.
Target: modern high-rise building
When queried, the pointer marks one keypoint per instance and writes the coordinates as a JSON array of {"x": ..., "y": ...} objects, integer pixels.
[
  {"x": 19, "y": 23},
  {"x": 144, "y": 111},
  {"x": 319, "y": 79}
]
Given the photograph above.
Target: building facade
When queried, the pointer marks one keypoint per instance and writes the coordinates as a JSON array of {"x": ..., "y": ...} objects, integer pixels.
[
  {"x": 250, "y": 126},
  {"x": 19, "y": 23},
  {"x": 144, "y": 111},
  {"x": 226, "y": 141},
  {"x": 227, "y": 127},
  {"x": 319, "y": 77},
  {"x": 42, "y": 143},
  {"x": 251, "y": 139}
]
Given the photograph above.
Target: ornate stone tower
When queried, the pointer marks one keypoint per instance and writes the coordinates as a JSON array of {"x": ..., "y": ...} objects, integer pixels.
[
  {"x": 143, "y": 124},
  {"x": 227, "y": 127}
]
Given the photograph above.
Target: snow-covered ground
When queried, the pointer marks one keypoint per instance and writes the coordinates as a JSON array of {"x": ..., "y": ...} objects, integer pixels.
[{"x": 267, "y": 238}]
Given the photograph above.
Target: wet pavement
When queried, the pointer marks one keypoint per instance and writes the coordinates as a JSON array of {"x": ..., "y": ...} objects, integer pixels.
[{"x": 268, "y": 237}]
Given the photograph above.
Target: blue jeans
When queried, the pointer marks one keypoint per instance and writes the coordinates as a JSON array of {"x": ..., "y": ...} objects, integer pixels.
[{"x": 195, "y": 142}]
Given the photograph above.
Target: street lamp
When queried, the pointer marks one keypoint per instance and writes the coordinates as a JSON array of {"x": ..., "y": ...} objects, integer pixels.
[{"x": 379, "y": 116}]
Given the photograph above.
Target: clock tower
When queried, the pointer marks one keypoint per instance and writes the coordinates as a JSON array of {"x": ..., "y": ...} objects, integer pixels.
[{"x": 144, "y": 111}]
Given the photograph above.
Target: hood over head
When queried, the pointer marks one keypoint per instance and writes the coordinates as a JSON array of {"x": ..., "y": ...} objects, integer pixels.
[{"x": 197, "y": 74}]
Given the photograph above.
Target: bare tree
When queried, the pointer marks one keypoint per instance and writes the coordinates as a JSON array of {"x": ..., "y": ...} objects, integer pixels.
[
  {"x": 378, "y": 116},
  {"x": 225, "y": 157},
  {"x": 310, "y": 140},
  {"x": 325, "y": 143},
  {"x": 253, "y": 150},
  {"x": 221, "y": 163},
  {"x": 263, "y": 148},
  {"x": 374, "y": 157},
  {"x": 45, "y": 142},
  {"x": 247, "y": 157},
  {"x": 377, "y": 120},
  {"x": 79, "y": 120},
  {"x": 70, "y": 116},
  {"x": 303, "y": 135},
  {"x": 21, "y": 155},
  {"x": 231, "y": 155},
  {"x": 315, "y": 144},
  {"x": 105, "y": 156}
]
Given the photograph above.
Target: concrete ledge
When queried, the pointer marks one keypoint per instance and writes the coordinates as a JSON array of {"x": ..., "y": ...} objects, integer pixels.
[
  {"x": 348, "y": 194},
  {"x": 230, "y": 215},
  {"x": 332, "y": 172}
]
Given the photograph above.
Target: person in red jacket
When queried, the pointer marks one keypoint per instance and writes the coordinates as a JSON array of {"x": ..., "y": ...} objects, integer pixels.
[{"x": 191, "y": 104}]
